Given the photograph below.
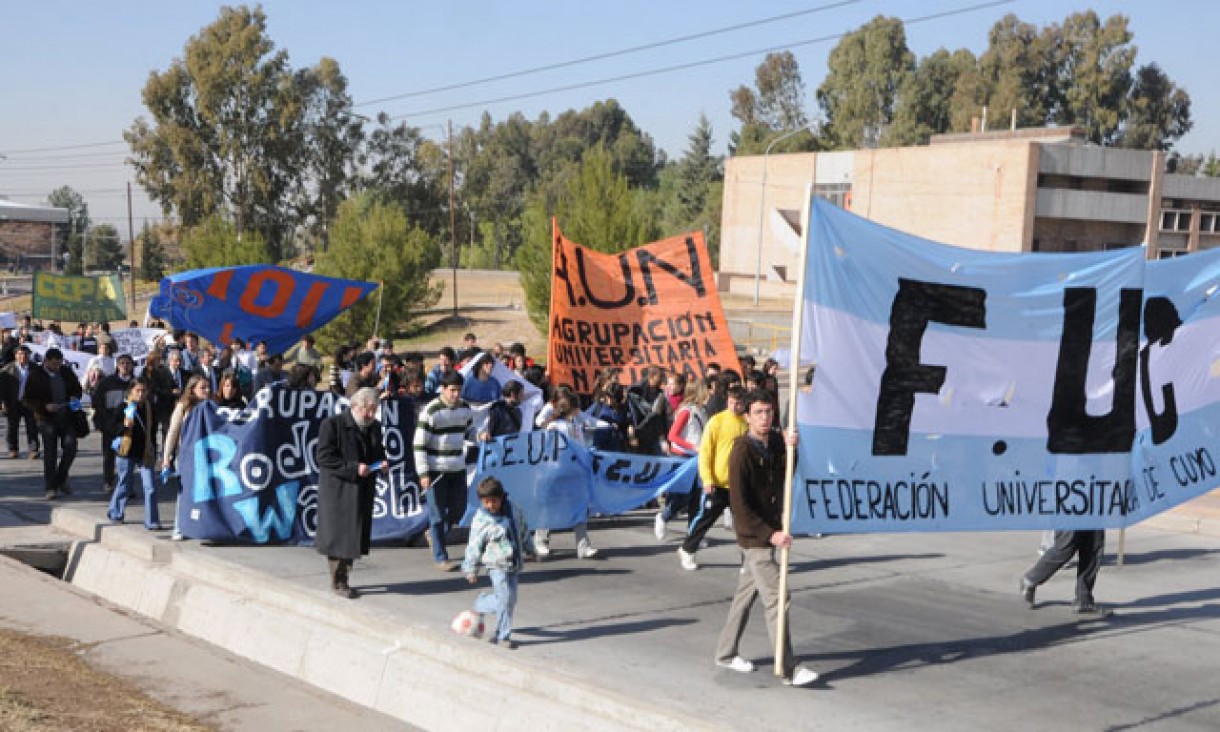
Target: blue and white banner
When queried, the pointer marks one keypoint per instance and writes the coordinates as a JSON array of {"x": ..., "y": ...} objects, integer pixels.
[
  {"x": 557, "y": 483},
  {"x": 963, "y": 390},
  {"x": 251, "y": 476}
]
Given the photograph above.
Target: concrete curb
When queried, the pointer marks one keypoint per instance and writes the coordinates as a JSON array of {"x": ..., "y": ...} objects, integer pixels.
[{"x": 358, "y": 652}]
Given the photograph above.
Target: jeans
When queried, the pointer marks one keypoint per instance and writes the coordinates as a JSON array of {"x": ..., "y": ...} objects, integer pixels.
[
  {"x": 126, "y": 484},
  {"x": 502, "y": 600},
  {"x": 57, "y": 431},
  {"x": 446, "y": 506}
]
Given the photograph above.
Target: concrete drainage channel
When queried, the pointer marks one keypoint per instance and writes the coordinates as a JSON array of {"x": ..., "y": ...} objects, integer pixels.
[
  {"x": 416, "y": 673},
  {"x": 51, "y": 557}
]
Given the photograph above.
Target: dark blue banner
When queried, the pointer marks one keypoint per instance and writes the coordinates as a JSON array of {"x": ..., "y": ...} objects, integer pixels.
[
  {"x": 256, "y": 302},
  {"x": 557, "y": 483},
  {"x": 251, "y": 476}
]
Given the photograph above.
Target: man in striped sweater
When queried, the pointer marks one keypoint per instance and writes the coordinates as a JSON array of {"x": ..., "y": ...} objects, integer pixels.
[{"x": 440, "y": 461}]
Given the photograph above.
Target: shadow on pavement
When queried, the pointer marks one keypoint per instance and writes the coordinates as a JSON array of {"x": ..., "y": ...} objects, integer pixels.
[
  {"x": 541, "y": 636},
  {"x": 870, "y": 661}
]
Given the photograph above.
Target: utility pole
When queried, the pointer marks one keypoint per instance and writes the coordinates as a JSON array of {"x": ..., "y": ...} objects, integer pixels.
[
  {"x": 131, "y": 242},
  {"x": 452, "y": 223}
]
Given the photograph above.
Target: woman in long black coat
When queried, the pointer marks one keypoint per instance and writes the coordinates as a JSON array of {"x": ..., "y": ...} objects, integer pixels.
[{"x": 350, "y": 455}]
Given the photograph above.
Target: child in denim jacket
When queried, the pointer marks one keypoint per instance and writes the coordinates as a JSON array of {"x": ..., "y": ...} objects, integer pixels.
[{"x": 499, "y": 541}]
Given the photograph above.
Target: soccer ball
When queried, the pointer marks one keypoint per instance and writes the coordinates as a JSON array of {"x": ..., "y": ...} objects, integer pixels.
[{"x": 468, "y": 623}]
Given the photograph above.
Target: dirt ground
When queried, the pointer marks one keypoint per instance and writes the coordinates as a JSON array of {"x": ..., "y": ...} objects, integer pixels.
[
  {"x": 490, "y": 304},
  {"x": 46, "y": 685}
]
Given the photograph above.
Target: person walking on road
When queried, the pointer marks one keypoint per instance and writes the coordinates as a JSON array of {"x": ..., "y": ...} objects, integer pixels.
[
  {"x": 50, "y": 392},
  {"x": 440, "y": 460},
  {"x": 131, "y": 429},
  {"x": 15, "y": 378},
  {"x": 1087, "y": 546},
  {"x": 350, "y": 454},
  {"x": 498, "y": 541},
  {"x": 756, "y": 490},
  {"x": 714, "y": 448}
]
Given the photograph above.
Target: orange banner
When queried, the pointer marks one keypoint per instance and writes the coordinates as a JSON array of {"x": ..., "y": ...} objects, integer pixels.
[{"x": 654, "y": 305}]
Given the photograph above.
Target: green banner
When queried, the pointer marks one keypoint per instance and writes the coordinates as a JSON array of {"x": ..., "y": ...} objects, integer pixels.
[{"x": 82, "y": 299}]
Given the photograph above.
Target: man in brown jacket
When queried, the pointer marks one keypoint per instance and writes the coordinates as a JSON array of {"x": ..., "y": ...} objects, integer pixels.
[{"x": 756, "y": 494}]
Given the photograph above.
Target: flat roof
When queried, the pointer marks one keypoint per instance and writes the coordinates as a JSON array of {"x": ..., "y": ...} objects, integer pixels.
[{"x": 11, "y": 211}]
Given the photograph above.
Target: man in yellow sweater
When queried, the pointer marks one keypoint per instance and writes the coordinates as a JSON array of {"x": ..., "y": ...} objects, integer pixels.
[{"x": 718, "y": 437}]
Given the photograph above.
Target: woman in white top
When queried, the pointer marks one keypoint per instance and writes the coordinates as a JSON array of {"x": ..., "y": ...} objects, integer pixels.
[{"x": 566, "y": 418}]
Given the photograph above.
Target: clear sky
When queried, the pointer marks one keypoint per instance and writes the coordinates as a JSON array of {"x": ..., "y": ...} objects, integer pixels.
[{"x": 71, "y": 73}]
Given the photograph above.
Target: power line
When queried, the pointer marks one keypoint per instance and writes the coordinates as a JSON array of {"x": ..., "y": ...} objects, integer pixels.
[
  {"x": 23, "y": 158},
  {"x": 609, "y": 54},
  {"x": 53, "y": 167},
  {"x": 685, "y": 66},
  {"x": 64, "y": 147}
]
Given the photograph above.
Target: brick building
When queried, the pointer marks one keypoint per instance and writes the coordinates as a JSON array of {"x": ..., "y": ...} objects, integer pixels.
[
  {"x": 28, "y": 234},
  {"x": 1030, "y": 190}
]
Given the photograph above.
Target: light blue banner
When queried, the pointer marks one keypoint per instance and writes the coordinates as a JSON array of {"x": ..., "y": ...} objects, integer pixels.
[
  {"x": 961, "y": 390},
  {"x": 557, "y": 483}
]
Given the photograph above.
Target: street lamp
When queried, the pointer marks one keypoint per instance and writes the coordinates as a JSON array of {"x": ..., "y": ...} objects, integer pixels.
[{"x": 762, "y": 200}]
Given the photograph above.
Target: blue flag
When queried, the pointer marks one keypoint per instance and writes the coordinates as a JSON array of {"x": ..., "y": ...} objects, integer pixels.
[{"x": 257, "y": 302}]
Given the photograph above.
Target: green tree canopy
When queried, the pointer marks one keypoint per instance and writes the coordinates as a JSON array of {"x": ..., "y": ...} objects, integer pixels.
[
  {"x": 371, "y": 240},
  {"x": 1158, "y": 112},
  {"x": 696, "y": 190},
  {"x": 72, "y": 235},
  {"x": 598, "y": 210},
  {"x": 1092, "y": 62},
  {"x": 866, "y": 69},
  {"x": 924, "y": 106},
  {"x": 214, "y": 242},
  {"x": 407, "y": 170},
  {"x": 775, "y": 104},
  {"x": 152, "y": 255},
  {"x": 103, "y": 250},
  {"x": 235, "y": 132}
]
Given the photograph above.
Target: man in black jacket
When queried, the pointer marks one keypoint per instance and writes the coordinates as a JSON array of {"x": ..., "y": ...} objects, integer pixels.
[
  {"x": 349, "y": 457},
  {"x": 14, "y": 378},
  {"x": 504, "y": 414},
  {"x": 49, "y": 394},
  {"x": 756, "y": 493}
]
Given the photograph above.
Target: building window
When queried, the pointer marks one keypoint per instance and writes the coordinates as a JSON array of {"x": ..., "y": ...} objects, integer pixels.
[
  {"x": 1175, "y": 220},
  {"x": 1207, "y": 223},
  {"x": 837, "y": 193}
]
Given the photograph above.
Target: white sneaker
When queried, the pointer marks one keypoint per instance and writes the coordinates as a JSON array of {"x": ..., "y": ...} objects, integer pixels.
[
  {"x": 687, "y": 559},
  {"x": 738, "y": 664},
  {"x": 585, "y": 550},
  {"x": 541, "y": 549},
  {"x": 801, "y": 676},
  {"x": 728, "y": 519},
  {"x": 658, "y": 527},
  {"x": 176, "y": 536}
]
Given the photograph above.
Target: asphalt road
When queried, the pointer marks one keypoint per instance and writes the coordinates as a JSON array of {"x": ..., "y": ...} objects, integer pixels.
[{"x": 909, "y": 632}]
